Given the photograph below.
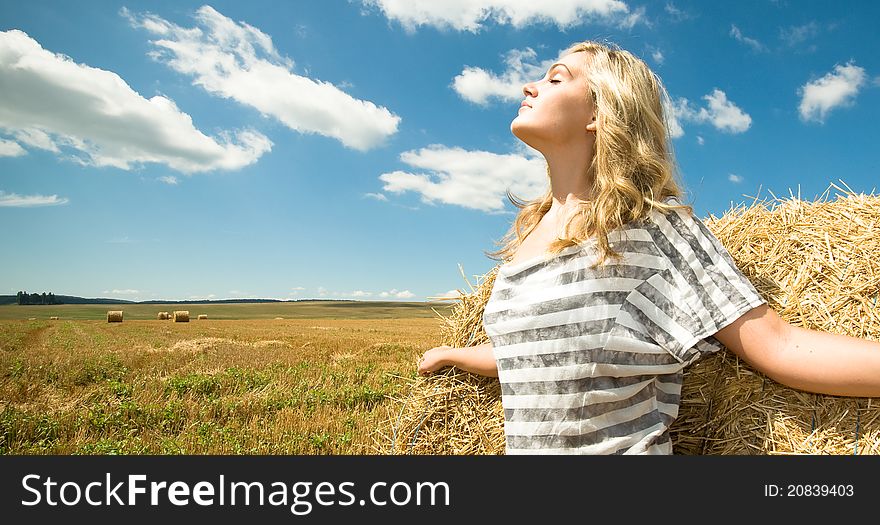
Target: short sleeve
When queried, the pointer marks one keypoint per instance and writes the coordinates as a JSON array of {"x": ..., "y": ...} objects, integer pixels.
[{"x": 700, "y": 291}]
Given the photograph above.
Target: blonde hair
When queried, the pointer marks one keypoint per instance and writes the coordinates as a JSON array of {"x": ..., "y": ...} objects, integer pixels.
[{"x": 633, "y": 168}]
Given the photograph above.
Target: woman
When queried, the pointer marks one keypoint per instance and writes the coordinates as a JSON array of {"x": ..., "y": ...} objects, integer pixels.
[{"x": 611, "y": 286}]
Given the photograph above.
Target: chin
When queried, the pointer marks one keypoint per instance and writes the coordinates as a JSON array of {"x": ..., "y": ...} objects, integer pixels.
[
  {"x": 519, "y": 131},
  {"x": 523, "y": 134}
]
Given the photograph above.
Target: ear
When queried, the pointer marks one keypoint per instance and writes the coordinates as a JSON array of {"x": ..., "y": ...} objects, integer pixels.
[{"x": 591, "y": 127}]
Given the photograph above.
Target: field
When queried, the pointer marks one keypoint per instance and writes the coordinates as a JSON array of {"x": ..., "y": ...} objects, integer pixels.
[
  {"x": 318, "y": 381},
  {"x": 288, "y": 310}
]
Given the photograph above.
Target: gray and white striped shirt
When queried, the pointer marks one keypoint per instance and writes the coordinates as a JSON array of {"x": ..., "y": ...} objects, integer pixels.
[{"x": 590, "y": 360}]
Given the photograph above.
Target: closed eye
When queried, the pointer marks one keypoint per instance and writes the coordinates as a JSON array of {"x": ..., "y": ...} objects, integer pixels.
[{"x": 555, "y": 81}]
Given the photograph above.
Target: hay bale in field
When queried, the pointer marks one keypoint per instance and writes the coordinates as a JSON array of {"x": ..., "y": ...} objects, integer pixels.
[
  {"x": 53, "y": 318},
  {"x": 114, "y": 316},
  {"x": 163, "y": 316},
  {"x": 203, "y": 316},
  {"x": 818, "y": 266},
  {"x": 181, "y": 316}
]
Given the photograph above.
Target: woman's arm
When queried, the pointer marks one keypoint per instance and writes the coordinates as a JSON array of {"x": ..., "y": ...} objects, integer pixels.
[
  {"x": 477, "y": 359},
  {"x": 809, "y": 360}
]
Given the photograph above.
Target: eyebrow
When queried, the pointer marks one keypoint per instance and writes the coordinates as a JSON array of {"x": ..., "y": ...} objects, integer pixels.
[{"x": 560, "y": 64}]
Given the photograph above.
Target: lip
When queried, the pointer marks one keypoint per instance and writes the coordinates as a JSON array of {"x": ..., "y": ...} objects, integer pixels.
[{"x": 526, "y": 104}]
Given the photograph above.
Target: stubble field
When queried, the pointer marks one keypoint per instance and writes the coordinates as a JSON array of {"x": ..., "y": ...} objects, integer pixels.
[{"x": 314, "y": 385}]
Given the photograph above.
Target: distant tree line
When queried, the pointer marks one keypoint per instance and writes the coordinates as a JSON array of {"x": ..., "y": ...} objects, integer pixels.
[{"x": 36, "y": 298}]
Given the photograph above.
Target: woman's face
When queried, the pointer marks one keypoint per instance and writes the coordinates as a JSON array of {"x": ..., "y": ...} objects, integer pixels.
[{"x": 556, "y": 109}]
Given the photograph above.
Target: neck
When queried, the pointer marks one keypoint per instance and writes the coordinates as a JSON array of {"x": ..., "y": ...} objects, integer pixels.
[{"x": 569, "y": 181}]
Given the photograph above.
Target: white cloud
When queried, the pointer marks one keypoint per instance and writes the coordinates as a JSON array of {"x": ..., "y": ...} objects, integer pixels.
[
  {"x": 723, "y": 114},
  {"x": 238, "y": 61},
  {"x": 631, "y": 19},
  {"x": 795, "y": 35},
  {"x": 10, "y": 148},
  {"x": 671, "y": 112},
  {"x": 677, "y": 14},
  {"x": 472, "y": 179},
  {"x": 734, "y": 178},
  {"x": 470, "y": 15},
  {"x": 448, "y": 295},
  {"x": 394, "y": 294},
  {"x": 656, "y": 55},
  {"x": 836, "y": 89},
  {"x": 37, "y": 138},
  {"x": 377, "y": 196},
  {"x": 120, "y": 240},
  {"x": 14, "y": 200},
  {"x": 167, "y": 179},
  {"x": 121, "y": 292},
  {"x": 751, "y": 42},
  {"x": 51, "y": 102},
  {"x": 478, "y": 85},
  {"x": 201, "y": 297},
  {"x": 700, "y": 140},
  {"x": 397, "y": 294}
]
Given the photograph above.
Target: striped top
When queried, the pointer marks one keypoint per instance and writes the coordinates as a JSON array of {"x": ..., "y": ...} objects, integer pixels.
[{"x": 590, "y": 361}]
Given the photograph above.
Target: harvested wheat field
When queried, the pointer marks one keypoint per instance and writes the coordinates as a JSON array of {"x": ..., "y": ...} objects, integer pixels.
[
  {"x": 817, "y": 263},
  {"x": 263, "y": 386}
]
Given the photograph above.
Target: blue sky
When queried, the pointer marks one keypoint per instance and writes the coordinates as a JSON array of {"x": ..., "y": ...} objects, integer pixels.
[{"x": 362, "y": 149}]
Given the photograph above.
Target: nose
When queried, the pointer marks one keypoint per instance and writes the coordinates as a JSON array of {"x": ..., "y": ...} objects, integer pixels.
[{"x": 529, "y": 89}]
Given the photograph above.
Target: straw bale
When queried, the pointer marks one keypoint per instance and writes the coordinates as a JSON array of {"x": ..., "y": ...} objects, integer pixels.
[
  {"x": 203, "y": 316},
  {"x": 181, "y": 316},
  {"x": 114, "y": 316},
  {"x": 53, "y": 318},
  {"x": 817, "y": 263},
  {"x": 163, "y": 316}
]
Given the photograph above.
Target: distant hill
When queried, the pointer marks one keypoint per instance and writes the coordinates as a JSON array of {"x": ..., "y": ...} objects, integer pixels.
[
  {"x": 219, "y": 301},
  {"x": 65, "y": 299},
  {"x": 72, "y": 299}
]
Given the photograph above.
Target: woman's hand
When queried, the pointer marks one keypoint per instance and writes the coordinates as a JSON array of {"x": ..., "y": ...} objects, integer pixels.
[
  {"x": 478, "y": 359},
  {"x": 433, "y": 360}
]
